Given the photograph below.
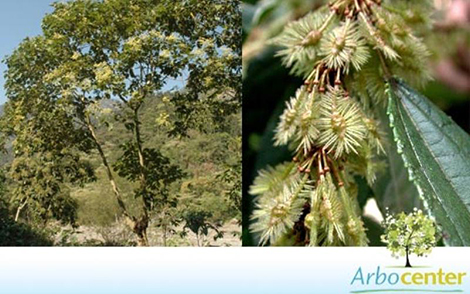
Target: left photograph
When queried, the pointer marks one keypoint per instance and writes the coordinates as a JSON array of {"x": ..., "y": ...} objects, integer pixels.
[{"x": 120, "y": 123}]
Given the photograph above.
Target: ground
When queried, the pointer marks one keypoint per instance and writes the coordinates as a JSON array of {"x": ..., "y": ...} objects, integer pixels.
[{"x": 119, "y": 235}]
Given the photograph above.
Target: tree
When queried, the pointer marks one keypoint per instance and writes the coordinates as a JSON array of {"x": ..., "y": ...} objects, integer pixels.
[
  {"x": 197, "y": 220},
  {"x": 123, "y": 52},
  {"x": 409, "y": 233},
  {"x": 104, "y": 49},
  {"x": 46, "y": 143}
]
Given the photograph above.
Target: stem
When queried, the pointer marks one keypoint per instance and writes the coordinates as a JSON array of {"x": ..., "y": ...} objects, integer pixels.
[
  {"x": 338, "y": 79},
  {"x": 17, "y": 216},
  {"x": 327, "y": 22},
  {"x": 321, "y": 172},
  {"x": 356, "y": 4},
  {"x": 371, "y": 28},
  {"x": 323, "y": 80},
  {"x": 409, "y": 238},
  {"x": 383, "y": 63},
  {"x": 316, "y": 81},
  {"x": 312, "y": 95}
]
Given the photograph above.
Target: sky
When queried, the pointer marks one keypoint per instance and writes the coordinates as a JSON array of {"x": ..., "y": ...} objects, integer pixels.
[
  {"x": 18, "y": 19},
  {"x": 22, "y": 18}
]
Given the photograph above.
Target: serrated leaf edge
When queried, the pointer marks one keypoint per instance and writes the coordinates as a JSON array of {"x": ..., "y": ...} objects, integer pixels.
[{"x": 406, "y": 162}]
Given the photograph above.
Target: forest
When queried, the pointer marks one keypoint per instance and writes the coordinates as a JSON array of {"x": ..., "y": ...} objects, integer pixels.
[{"x": 122, "y": 127}]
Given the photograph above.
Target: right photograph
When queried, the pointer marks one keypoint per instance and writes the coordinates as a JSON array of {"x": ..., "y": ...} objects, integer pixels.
[{"x": 356, "y": 120}]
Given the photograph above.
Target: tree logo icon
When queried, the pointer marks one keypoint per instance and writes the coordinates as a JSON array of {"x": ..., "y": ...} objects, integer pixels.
[{"x": 406, "y": 234}]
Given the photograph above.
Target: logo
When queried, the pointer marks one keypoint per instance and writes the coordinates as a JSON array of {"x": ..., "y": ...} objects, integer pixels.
[
  {"x": 407, "y": 278},
  {"x": 405, "y": 235},
  {"x": 409, "y": 233}
]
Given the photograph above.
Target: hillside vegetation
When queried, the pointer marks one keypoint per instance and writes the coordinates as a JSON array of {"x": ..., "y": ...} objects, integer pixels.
[{"x": 204, "y": 158}]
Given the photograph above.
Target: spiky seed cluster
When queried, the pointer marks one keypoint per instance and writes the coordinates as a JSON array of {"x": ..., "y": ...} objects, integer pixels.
[
  {"x": 292, "y": 118},
  {"x": 301, "y": 40},
  {"x": 278, "y": 213},
  {"x": 343, "y": 53},
  {"x": 344, "y": 46},
  {"x": 333, "y": 120},
  {"x": 369, "y": 26},
  {"x": 390, "y": 33},
  {"x": 331, "y": 212},
  {"x": 341, "y": 125},
  {"x": 273, "y": 179},
  {"x": 308, "y": 131}
]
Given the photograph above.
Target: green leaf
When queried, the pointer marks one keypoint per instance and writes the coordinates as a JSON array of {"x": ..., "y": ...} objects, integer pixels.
[
  {"x": 263, "y": 10},
  {"x": 436, "y": 153},
  {"x": 392, "y": 189}
]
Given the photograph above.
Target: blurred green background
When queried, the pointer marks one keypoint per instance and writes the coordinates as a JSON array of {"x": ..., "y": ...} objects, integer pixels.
[{"x": 267, "y": 84}]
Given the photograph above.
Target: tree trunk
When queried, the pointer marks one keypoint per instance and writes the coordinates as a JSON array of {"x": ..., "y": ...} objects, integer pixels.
[
  {"x": 146, "y": 203},
  {"x": 407, "y": 257},
  {"x": 164, "y": 235},
  {"x": 104, "y": 160},
  {"x": 142, "y": 163},
  {"x": 143, "y": 240},
  {"x": 139, "y": 227}
]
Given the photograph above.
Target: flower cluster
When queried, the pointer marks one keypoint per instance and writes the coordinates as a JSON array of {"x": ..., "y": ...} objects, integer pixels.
[{"x": 344, "y": 51}]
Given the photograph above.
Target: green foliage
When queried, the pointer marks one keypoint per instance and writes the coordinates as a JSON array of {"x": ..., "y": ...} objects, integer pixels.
[
  {"x": 20, "y": 234},
  {"x": 409, "y": 233},
  {"x": 208, "y": 173},
  {"x": 435, "y": 151},
  {"x": 46, "y": 145},
  {"x": 197, "y": 221},
  {"x": 232, "y": 176},
  {"x": 213, "y": 85},
  {"x": 160, "y": 173},
  {"x": 2, "y": 183},
  {"x": 96, "y": 203}
]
